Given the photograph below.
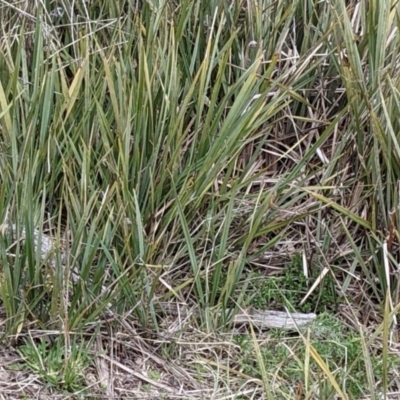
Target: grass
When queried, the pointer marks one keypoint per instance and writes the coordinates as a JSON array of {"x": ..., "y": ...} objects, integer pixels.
[
  {"x": 290, "y": 288},
  {"x": 284, "y": 358},
  {"x": 55, "y": 364},
  {"x": 206, "y": 155}
]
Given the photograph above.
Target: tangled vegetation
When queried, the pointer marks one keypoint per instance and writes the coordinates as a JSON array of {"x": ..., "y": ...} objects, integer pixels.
[{"x": 207, "y": 156}]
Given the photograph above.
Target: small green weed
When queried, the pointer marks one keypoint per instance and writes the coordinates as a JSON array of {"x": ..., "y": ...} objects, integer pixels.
[
  {"x": 155, "y": 375},
  {"x": 49, "y": 361},
  {"x": 289, "y": 289}
]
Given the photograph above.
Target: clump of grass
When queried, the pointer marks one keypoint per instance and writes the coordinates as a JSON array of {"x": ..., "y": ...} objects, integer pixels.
[{"x": 56, "y": 364}]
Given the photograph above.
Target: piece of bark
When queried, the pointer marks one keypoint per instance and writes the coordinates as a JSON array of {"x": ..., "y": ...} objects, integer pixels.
[
  {"x": 263, "y": 319},
  {"x": 274, "y": 319}
]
